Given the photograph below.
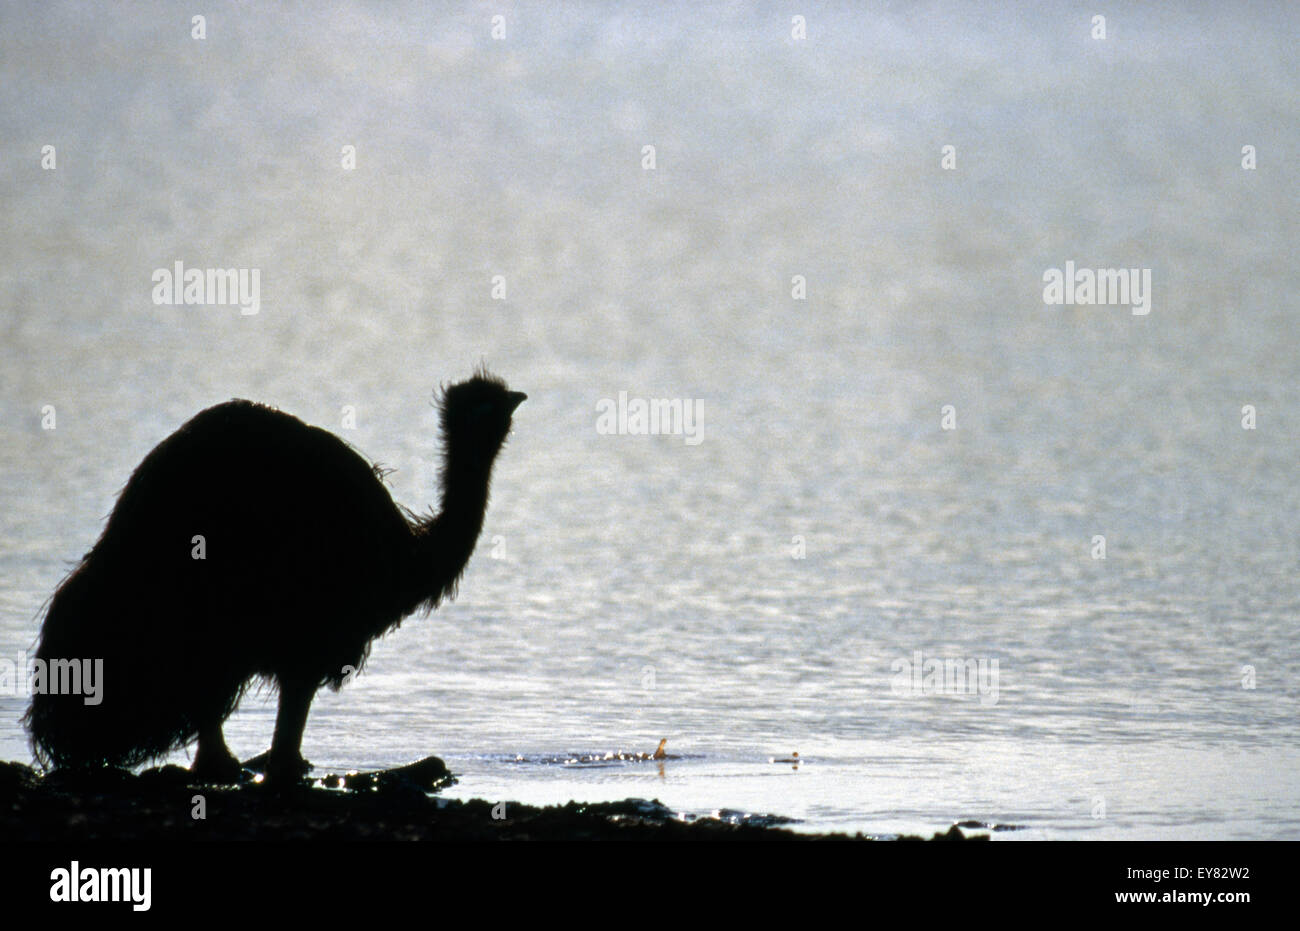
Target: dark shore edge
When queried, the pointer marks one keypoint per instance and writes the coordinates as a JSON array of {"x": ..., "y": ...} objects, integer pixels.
[{"x": 393, "y": 805}]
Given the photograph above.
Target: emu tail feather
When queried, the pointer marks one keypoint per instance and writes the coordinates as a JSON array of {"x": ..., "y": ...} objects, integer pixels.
[{"x": 158, "y": 686}]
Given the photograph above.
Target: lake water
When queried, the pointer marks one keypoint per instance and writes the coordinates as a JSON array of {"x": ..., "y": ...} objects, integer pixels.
[{"x": 756, "y": 593}]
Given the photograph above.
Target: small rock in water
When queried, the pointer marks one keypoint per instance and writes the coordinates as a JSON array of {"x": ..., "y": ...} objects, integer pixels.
[
  {"x": 649, "y": 809},
  {"x": 731, "y": 816},
  {"x": 984, "y": 825},
  {"x": 427, "y": 775},
  {"x": 430, "y": 773}
]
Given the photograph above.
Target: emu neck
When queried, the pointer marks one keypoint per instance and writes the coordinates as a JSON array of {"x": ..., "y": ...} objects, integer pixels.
[{"x": 445, "y": 542}]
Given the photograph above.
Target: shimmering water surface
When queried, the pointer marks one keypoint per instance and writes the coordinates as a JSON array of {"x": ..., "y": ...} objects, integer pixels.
[{"x": 630, "y": 588}]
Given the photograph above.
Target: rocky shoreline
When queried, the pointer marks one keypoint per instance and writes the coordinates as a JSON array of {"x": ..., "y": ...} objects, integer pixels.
[{"x": 163, "y": 805}]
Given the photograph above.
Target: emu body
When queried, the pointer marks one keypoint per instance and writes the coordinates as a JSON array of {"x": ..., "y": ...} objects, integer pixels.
[{"x": 250, "y": 545}]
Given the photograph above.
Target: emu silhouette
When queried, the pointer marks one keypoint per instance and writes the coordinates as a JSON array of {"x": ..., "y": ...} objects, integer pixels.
[{"x": 305, "y": 560}]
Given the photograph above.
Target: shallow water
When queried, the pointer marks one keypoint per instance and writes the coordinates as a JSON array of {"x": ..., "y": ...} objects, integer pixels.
[{"x": 630, "y": 588}]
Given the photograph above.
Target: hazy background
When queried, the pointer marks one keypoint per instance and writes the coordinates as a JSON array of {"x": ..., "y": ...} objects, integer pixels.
[{"x": 645, "y": 588}]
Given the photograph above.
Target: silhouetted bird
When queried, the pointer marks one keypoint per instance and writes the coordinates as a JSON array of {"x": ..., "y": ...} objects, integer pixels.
[{"x": 249, "y": 544}]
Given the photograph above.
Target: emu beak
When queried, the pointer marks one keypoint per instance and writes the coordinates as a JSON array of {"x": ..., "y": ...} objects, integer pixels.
[{"x": 516, "y": 398}]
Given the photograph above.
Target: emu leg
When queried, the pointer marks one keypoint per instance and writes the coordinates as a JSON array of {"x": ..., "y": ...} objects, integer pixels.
[
  {"x": 284, "y": 762},
  {"x": 213, "y": 761}
]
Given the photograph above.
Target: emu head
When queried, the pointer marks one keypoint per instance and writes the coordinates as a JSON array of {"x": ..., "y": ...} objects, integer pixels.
[{"x": 476, "y": 414}]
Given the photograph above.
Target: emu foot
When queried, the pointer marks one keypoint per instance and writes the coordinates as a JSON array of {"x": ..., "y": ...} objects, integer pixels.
[
  {"x": 217, "y": 769},
  {"x": 279, "y": 770}
]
